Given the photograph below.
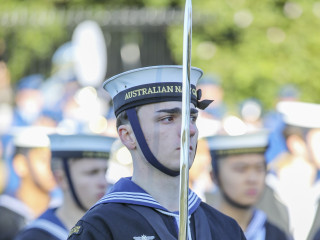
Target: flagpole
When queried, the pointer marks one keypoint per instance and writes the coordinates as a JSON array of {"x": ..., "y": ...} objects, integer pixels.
[{"x": 185, "y": 126}]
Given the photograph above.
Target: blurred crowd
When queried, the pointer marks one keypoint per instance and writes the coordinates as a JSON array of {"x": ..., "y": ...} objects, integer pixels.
[
  {"x": 60, "y": 104},
  {"x": 290, "y": 196},
  {"x": 33, "y": 109}
]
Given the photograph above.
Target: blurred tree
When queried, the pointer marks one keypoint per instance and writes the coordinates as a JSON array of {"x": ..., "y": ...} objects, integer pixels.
[
  {"x": 30, "y": 39},
  {"x": 255, "y": 46}
]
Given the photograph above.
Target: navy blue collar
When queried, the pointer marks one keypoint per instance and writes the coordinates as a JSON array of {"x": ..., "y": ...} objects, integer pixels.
[
  {"x": 50, "y": 223},
  {"x": 50, "y": 215},
  {"x": 126, "y": 191}
]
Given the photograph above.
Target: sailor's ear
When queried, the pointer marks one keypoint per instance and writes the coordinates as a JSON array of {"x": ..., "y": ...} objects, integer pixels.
[
  {"x": 296, "y": 145},
  {"x": 127, "y": 136},
  {"x": 20, "y": 165}
]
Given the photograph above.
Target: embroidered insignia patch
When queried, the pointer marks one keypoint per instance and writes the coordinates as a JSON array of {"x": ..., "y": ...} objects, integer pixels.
[
  {"x": 75, "y": 230},
  {"x": 143, "y": 237}
]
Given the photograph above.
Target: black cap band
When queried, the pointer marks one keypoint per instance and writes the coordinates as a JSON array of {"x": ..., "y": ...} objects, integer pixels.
[
  {"x": 80, "y": 154},
  {"x": 150, "y": 93},
  {"x": 226, "y": 152}
]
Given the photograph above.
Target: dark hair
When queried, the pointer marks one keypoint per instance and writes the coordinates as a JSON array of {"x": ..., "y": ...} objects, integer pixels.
[
  {"x": 294, "y": 130},
  {"x": 56, "y": 163},
  {"x": 21, "y": 150},
  {"x": 122, "y": 118}
]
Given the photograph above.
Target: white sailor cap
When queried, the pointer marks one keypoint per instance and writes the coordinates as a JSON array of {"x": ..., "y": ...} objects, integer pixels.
[
  {"x": 300, "y": 114},
  {"x": 31, "y": 137},
  {"x": 81, "y": 146},
  {"x": 150, "y": 85},
  {"x": 252, "y": 142}
]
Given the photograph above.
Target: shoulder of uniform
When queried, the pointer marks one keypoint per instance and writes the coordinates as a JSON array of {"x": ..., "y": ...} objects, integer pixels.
[{"x": 77, "y": 229}]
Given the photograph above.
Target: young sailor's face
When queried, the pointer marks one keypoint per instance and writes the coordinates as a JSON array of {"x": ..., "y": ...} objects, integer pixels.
[
  {"x": 39, "y": 168},
  {"x": 242, "y": 177},
  {"x": 161, "y": 126},
  {"x": 89, "y": 179}
]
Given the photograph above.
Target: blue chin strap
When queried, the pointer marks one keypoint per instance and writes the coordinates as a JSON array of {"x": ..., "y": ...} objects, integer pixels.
[
  {"x": 135, "y": 124},
  {"x": 73, "y": 191}
]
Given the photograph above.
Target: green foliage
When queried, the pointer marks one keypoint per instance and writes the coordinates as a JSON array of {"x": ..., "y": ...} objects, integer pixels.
[
  {"x": 255, "y": 46},
  {"x": 29, "y": 37},
  {"x": 29, "y": 45},
  {"x": 250, "y": 62}
]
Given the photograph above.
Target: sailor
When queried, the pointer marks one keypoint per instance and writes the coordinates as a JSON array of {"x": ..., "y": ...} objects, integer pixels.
[
  {"x": 239, "y": 171},
  {"x": 79, "y": 164},
  {"x": 294, "y": 174},
  {"x": 31, "y": 165},
  {"x": 147, "y": 104}
]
